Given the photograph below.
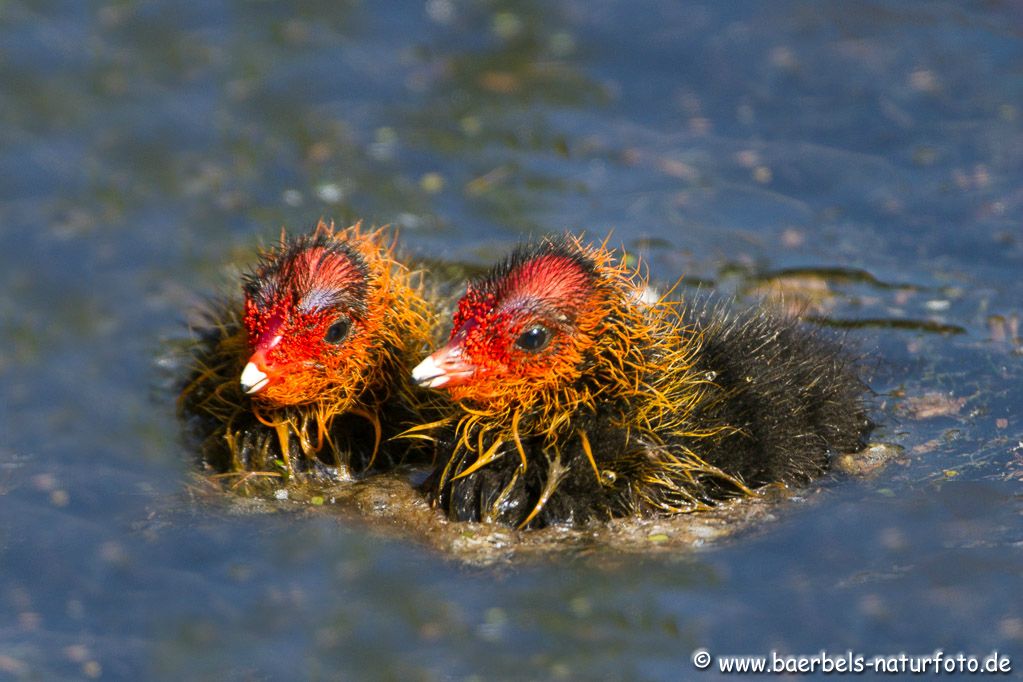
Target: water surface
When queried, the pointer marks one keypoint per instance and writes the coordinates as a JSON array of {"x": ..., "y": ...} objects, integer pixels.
[{"x": 864, "y": 156}]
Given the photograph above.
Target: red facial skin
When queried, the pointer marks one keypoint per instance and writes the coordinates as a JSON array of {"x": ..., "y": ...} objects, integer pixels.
[
  {"x": 488, "y": 362},
  {"x": 290, "y": 307}
]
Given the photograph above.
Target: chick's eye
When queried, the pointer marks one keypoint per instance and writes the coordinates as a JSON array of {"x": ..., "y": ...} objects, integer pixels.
[
  {"x": 337, "y": 332},
  {"x": 533, "y": 339}
]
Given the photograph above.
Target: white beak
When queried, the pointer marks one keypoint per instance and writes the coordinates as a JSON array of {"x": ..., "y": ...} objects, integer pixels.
[
  {"x": 253, "y": 380},
  {"x": 429, "y": 374}
]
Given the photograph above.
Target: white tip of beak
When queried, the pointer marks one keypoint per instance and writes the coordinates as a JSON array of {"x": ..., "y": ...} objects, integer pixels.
[
  {"x": 429, "y": 374},
  {"x": 253, "y": 380}
]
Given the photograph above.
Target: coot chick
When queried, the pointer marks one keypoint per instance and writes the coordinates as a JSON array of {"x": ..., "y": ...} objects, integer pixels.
[
  {"x": 579, "y": 398},
  {"x": 309, "y": 373}
]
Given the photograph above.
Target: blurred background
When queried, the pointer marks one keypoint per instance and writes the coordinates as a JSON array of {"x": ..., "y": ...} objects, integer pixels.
[{"x": 863, "y": 158}]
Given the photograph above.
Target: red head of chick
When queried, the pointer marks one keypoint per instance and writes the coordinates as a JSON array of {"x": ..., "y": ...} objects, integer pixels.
[
  {"x": 318, "y": 360},
  {"x": 581, "y": 398},
  {"x": 311, "y": 324},
  {"x": 520, "y": 333}
]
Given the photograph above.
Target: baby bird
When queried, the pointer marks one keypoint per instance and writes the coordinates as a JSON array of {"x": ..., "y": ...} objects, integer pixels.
[
  {"x": 310, "y": 372},
  {"x": 581, "y": 399}
]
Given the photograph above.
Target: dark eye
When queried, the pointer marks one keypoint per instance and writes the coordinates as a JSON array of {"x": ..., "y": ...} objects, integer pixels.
[
  {"x": 338, "y": 331},
  {"x": 534, "y": 338}
]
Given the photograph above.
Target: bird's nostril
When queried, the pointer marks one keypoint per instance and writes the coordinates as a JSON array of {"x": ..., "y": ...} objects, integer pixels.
[{"x": 451, "y": 359}]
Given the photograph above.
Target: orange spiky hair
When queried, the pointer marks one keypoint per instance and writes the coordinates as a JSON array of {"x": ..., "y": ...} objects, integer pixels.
[{"x": 330, "y": 324}]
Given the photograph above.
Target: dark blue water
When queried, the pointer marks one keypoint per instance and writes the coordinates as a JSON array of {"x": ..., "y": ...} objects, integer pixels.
[{"x": 147, "y": 148}]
